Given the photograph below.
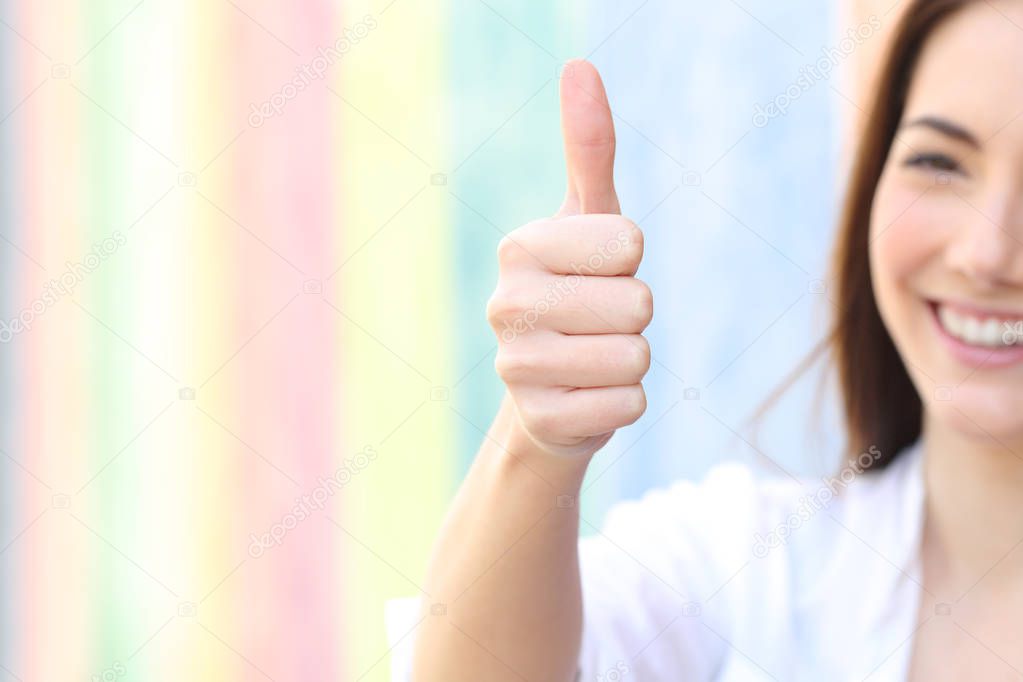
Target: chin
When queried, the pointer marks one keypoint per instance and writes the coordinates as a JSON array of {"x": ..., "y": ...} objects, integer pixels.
[{"x": 986, "y": 414}]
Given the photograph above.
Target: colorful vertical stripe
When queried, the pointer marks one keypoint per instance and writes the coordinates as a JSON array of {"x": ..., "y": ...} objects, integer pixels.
[{"x": 252, "y": 245}]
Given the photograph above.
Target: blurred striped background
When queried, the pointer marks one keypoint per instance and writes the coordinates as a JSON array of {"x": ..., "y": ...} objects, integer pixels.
[{"x": 246, "y": 248}]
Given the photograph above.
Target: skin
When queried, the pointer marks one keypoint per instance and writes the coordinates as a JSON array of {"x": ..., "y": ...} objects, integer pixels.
[
  {"x": 506, "y": 566},
  {"x": 960, "y": 239}
]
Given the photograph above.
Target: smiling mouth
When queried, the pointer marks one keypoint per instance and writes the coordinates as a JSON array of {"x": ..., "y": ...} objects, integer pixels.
[{"x": 979, "y": 328}]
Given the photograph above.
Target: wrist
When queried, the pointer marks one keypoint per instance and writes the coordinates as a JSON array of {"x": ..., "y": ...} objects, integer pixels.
[{"x": 519, "y": 450}]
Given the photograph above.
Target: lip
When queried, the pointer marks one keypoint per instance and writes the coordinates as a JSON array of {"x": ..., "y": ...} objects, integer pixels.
[{"x": 973, "y": 357}]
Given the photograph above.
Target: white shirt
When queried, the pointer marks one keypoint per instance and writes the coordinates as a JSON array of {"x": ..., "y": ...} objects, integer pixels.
[{"x": 695, "y": 581}]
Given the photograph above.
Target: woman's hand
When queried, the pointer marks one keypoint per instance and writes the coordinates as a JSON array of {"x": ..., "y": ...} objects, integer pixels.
[{"x": 568, "y": 311}]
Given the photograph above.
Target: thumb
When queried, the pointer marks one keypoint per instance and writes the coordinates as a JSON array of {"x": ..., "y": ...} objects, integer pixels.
[{"x": 589, "y": 135}]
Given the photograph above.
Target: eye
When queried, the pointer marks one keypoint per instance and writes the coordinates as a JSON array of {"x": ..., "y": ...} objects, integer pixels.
[{"x": 934, "y": 161}]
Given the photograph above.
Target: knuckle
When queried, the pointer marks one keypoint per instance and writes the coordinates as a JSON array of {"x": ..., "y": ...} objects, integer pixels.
[
  {"x": 596, "y": 140},
  {"x": 509, "y": 250},
  {"x": 512, "y": 365},
  {"x": 517, "y": 307},
  {"x": 514, "y": 248},
  {"x": 498, "y": 308},
  {"x": 505, "y": 303}
]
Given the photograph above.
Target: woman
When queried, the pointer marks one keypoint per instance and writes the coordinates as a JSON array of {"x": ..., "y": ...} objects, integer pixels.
[{"x": 913, "y": 570}]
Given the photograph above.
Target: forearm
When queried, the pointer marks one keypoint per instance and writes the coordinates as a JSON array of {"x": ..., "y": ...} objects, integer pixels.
[
  {"x": 505, "y": 572},
  {"x": 506, "y": 569}
]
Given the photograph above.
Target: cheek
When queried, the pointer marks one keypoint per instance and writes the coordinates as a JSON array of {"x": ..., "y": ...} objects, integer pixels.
[{"x": 909, "y": 230}]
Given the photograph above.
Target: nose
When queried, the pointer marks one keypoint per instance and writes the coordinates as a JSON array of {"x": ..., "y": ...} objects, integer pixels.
[{"x": 989, "y": 247}]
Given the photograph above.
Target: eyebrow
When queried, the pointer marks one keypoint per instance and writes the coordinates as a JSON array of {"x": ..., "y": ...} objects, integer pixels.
[{"x": 945, "y": 127}]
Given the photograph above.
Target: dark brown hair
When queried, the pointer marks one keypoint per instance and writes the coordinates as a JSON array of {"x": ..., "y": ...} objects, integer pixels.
[{"x": 880, "y": 406}]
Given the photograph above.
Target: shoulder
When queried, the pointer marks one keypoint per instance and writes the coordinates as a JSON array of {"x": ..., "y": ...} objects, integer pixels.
[
  {"x": 736, "y": 558},
  {"x": 687, "y": 519},
  {"x": 734, "y": 513},
  {"x": 667, "y": 572}
]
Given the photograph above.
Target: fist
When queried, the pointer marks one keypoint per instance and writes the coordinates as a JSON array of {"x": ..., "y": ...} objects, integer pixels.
[{"x": 568, "y": 310}]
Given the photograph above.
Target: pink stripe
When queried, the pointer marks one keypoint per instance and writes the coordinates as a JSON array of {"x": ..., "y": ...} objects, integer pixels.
[{"x": 288, "y": 403}]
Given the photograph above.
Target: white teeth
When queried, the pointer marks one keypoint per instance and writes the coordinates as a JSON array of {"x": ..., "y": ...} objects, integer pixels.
[
  {"x": 991, "y": 330},
  {"x": 971, "y": 330},
  {"x": 952, "y": 323},
  {"x": 989, "y": 333}
]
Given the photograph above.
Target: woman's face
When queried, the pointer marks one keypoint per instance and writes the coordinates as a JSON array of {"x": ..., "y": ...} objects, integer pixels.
[{"x": 946, "y": 234}]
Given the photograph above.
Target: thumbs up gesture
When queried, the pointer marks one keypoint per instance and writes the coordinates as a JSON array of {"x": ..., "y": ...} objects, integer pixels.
[{"x": 568, "y": 311}]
